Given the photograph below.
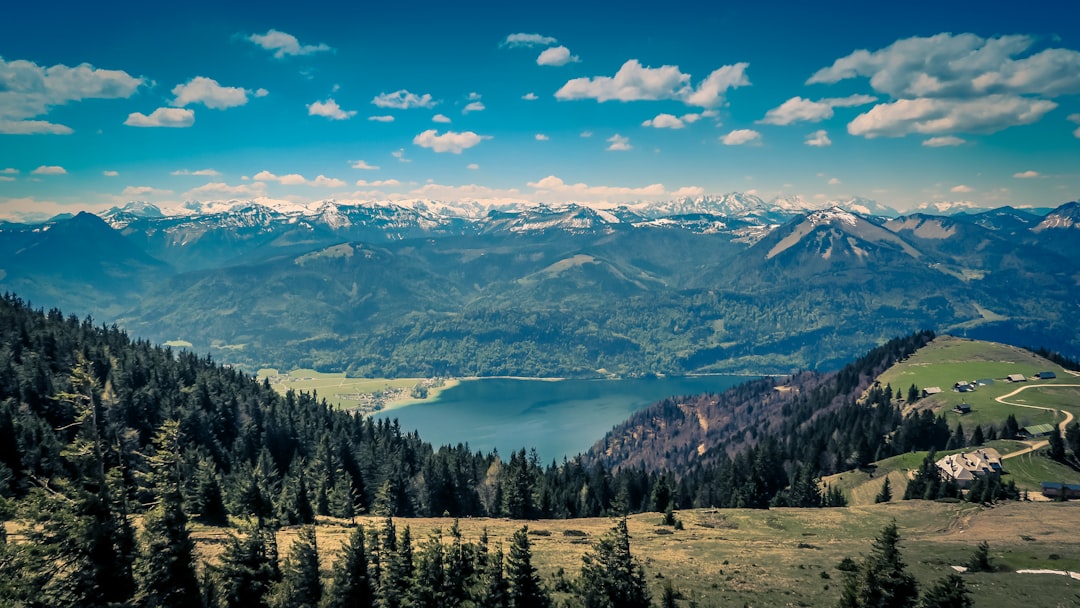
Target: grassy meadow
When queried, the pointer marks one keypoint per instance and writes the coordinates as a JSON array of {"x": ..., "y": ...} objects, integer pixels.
[
  {"x": 788, "y": 557},
  {"x": 350, "y": 393}
]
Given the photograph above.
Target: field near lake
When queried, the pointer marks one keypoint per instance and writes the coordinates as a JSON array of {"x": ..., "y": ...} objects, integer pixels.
[
  {"x": 788, "y": 557},
  {"x": 354, "y": 393}
]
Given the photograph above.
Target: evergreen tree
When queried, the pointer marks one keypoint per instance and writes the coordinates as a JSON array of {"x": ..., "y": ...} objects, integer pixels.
[
  {"x": 669, "y": 597},
  {"x": 493, "y": 590},
  {"x": 980, "y": 559},
  {"x": 351, "y": 584},
  {"x": 427, "y": 589},
  {"x": 610, "y": 576},
  {"x": 948, "y": 592},
  {"x": 881, "y": 581},
  {"x": 208, "y": 502},
  {"x": 885, "y": 495},
  {"x": 300, "y": 585},
  {"x": 1011, "y": 428},
  {"x": 1057, "y": 446},
  {"x": 396, "y": 563},
  {"x": 165, "y": 568},
  {"x": 248, "y": 568},
  {"x": 977, "y": 437},
  {"x": 525, "y": 588}
]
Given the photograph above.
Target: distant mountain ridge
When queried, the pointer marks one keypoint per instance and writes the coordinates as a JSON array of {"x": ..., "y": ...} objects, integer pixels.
[{"x": 705, "y": 284}]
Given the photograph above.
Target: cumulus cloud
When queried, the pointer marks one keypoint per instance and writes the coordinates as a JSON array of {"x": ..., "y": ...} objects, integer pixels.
[
  {"x": 739, "y": 137},
  {"x": 1029, "y": 174},
  {"x": 475, "y": 106},
  {"x": 254, "y": 190},
  {"x": 379, "y": 183},
  {"x": 295, "y": 179},
  {"x": 527, "y": 40},
  {"x": 472, "y": 166},
  {"x": 49, "y": 170},
  {"x": 381, "y": 118},
  {"x": 932, "y": 116},
  {"x": 541, "y": 137},
  {"x": 833, "y": 181},
  {"x": 162, "y": 117},
  {"x": 688, "y": 191},
  {"x": 28, "y": 90},
  {"x": 363, "y": 165},
  {"x": 144, "y": 191},
  {"x": 400, "y": 155},
  {"x": 440, "y": 118},
  {"x": 403, "y": 100},
  {"x": 330, "y": 109},
  {"x": 951, "y": 83},
  {"x": 6, "y": 178},
  {"x": 530, "y": 96},
  {"x": 818, "y": 139},
  {"x": 619, "y": 143},
  {"x": 552, "y": 186},
  {"x": 284, "y": 45},
  {"x": 634, "y": 82},
  {"x": 450, "y": 141},
  {"x": 1076, "y": 119},
  {"x": 208, "y": 92},
  {"x": 670, "y": 121},
  {"x": 798, "y": 109},
  {"x": 944, "y": 141},
  {"x": 961, "y": 188},
  {"x": 9, "y": 171},
  {"x": 556, "y": 56},
  {"x": 107, "y": 173},
  {"x": 200, "y": 172}
]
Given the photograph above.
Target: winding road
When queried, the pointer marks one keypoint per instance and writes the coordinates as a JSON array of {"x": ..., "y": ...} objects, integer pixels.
[{"x": 1035, "y": 445}]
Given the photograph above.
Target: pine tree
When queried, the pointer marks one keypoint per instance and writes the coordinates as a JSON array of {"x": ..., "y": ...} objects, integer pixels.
[
  {"x": 977, "y": 437},
  {"x": 610, "y": 576},
  {"x": 493, "y": 590},
  {"x": 427, "y": 588},
  {"x": 881, "y": 581},
  {"x": 525, "y": 588},
  {"x": 165, "y": 568},
  {"x": 948, "y": 592},
  {"x": 980, "y": 559},
  {"x": 351, "y": 585},
  {"x": 300, "y": 585},
  {"x": 248, "y": 568},
  {"x": 885, "y": 495},
  {"x": 1057, "y": 446},
  {"x": 669, "y": 597}
]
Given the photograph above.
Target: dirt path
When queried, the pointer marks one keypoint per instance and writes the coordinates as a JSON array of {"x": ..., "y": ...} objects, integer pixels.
[{"x": 1034, "y": 445}]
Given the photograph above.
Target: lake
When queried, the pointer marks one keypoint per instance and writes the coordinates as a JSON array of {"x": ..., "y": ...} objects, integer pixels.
[{"x": 559, "y": 418}]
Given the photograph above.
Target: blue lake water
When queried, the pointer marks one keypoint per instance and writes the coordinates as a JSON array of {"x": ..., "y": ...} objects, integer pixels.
[{"x": 559, "y": 418}]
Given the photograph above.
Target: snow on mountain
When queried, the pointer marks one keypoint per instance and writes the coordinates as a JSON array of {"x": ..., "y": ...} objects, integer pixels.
[
  {"x": 947, "y": 207},
  {"x": 1065, "y": 216},
  {"x": 864, "y": 206}
]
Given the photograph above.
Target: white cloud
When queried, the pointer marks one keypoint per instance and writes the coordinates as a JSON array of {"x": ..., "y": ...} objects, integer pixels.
[
  {"x": 530, "y": 96},
  {"x": 634, "y": 82},
  {"x": 798, "y": 109},
  {"x": 283, "y": 44},
  {"x": 941, "y": 142},
  {"x": 440, "y": 118},
  {"x": 330, "y": 109},
  {"x": 1075, "y": 118},
  {"x": 6, "y": 178},
  {"x": 360, "y": 164},
  {"x": 1029, "y": 174},
  {"x": 400, "y": 155},
  {"x": 28, "y": 90},
  {"x": 379, "y": 183},
  {"x": 556, "y": 56},
  {"x": 261, "y": 92},
  {"x": 208, "y": 92},
  {"x": 739, "y": 137},
  {"x": 688, "y": 191},
  {"x": 818, "y": 139},
  {"x": 619, "y": 143},
  {"x": 472, "y": 166},
  {"x": 474, "y": 96},
  {"x": 833, "y": 181},
  {"x": 541, "y": 137},
  {"x": 960, "y": 65},
  {"x": 144, "y": 191},
  {"x": 670, "y": 121},
  {"x": 295, "y": 179},
  {"x": 932, "y": 116},
  {"x": 450, "y": 141},
  {"x": 476, "y": 106},
  {"x": 961, "y": 188},
  {"x": 555, "y": 186},
  {"x": 49, "y": 170},
  {"x": 109, "y": 173},
  {"x": 162, "y": 117},
  {"x": 586, "y": 134},
  {"x": 9, "y": 171},
  {"x": 200, "y": 172},
  {"x": 519, "y": 40},
  {"x": 383, "y": 118},
  {"x": 403, "y": 100},
  {"x": 256, "y": 189}
]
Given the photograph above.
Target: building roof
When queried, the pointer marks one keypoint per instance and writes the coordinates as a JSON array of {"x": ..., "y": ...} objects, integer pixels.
[
  {"x": 1046, "y": 375},
  {"x": 1039, "y": 429},
  {"x": 932, "y": 390},
  {"x": 966, "y": 466},
  {"x": 984, "y": 381},
  {"x": 1016, "y": 378}
]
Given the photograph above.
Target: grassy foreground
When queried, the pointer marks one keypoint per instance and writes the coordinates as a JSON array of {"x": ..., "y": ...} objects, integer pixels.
[{"x": 788, "y": 557}]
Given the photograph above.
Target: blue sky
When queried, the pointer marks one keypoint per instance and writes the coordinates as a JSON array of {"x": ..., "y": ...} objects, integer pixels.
[{"x": 105, "y": 103}]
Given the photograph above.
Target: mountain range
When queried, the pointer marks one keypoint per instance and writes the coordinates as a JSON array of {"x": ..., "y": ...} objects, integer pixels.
[{"x": 707, "y": 284}]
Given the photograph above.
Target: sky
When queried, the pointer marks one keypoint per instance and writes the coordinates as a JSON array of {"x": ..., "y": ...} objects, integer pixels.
[{"x": 600, "y": 103}]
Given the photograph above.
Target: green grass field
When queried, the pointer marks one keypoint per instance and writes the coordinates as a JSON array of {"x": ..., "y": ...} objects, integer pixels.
[
  {"x": 788, "y": 557},
  {"x": 349, "y": 393}
]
